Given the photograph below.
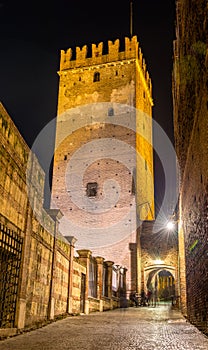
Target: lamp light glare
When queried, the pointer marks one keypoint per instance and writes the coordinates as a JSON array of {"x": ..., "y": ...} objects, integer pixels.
[
  {"x": 170, "y": 225},
  {"x": 158, "y": 262}
]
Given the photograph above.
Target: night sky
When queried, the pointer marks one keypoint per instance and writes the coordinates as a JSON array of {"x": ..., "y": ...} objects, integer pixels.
[{"x": 32, "y": 35}]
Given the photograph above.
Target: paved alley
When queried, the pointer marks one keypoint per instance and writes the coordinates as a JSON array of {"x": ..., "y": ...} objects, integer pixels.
[{"x": 143, "y": 328}]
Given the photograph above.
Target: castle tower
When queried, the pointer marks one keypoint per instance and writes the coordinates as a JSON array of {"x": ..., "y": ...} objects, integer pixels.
[{"x": 103, "y": 177}]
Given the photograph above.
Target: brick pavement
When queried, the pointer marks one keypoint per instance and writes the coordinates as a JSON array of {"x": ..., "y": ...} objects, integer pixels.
[{"x": 142, "y": 328}]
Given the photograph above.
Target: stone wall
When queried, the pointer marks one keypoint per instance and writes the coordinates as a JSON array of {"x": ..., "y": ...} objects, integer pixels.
[
  {"x": 47, "y": 279},
  {"x": 13, "y": 160},
  {"x": 190, "y": 86}
]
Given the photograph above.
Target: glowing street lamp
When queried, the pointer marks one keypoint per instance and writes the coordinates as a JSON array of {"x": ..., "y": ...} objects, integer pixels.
[
  {"x": 170, "y": 226},
  {"x": 158, "y": 262}
]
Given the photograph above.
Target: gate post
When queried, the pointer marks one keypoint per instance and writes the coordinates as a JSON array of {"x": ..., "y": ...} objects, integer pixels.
[
  {"x": 109, "y": 281},
  {"x": 99, "y": 261},
  {"x": 22, "y": 293},
  {"x": 84, "y": 256},
  {"x": 56, "y": 215},
  {"x": 72, "y": 240}
]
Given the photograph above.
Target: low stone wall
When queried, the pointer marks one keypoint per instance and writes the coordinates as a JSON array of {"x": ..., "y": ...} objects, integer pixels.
[
  {"x": 94, "y": 304},
  {"x": 107, "y": 304},
  {"x": 116, "y": 303}
]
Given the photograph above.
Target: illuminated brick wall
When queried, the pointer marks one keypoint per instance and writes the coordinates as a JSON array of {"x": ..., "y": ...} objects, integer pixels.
[
  {"x": 191, "y": 139},
  {"x": 91, "y": 93}
]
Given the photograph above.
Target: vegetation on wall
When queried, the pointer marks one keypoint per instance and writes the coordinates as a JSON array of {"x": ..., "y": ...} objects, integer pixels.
[{"x": 192, "y": 65}]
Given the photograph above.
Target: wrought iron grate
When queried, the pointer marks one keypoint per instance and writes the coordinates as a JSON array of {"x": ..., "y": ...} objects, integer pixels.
[{"x": 10, "y": 260}]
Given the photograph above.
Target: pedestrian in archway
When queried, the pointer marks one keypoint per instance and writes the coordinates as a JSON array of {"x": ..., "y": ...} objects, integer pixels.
[
  {"x": 134, "y": 299},
  {"x": 154, "y": 297},
  {"x": 143, "y": 298},
  {"x": 149, "y": 297}
]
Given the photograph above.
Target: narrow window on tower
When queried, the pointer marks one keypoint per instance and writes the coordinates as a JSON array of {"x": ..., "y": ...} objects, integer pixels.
[
  {"x": 96, "y": 77},
  {"x": 110, "y": 112},
  {"x": 133, "y": 191},
  {"x": 92, "y": 188},
  {"x": 133, "y": 185}
]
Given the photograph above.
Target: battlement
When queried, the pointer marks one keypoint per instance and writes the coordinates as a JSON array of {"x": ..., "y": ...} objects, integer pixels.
[{"x": 132, "y": 51}]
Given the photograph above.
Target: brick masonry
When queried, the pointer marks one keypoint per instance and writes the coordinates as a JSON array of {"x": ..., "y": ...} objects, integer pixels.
[
  {"x": 191, "y": 140},
  {"x": 89, "y": 88}
]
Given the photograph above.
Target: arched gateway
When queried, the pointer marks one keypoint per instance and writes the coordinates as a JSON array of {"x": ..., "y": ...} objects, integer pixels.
[{"x": 162, "y": 279}]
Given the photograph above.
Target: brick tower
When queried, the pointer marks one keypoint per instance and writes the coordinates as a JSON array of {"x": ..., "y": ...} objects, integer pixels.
[{"x": 103, "y": 177}]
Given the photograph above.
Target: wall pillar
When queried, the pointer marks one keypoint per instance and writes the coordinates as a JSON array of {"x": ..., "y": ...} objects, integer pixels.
[
  {"x": 72, "y": 240},
  {"x": 124, "y": 279},
  {"x": 182, "y": 269},
  {"x": 133, "y": 282},
  {"x": 139, "y": 261},
  {"x": 84, "y": 256},
  {"x": 100, "y": 261},
  {"x": 22, "y": 295},
  {"x": 109, "y": 280},
  {"x": 122, "y": 287},
  {"x": 56, "y": 215}
]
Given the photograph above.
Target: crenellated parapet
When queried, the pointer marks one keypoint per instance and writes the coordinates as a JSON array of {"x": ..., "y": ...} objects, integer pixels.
[
  {"x": 113, "y": 50},
  {"x": 81, "y": 54},
  {"x": 132, "y": 51}
]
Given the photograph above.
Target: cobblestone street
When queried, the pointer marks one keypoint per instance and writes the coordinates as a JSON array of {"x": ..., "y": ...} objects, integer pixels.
[{"x": 144, "y": 328}]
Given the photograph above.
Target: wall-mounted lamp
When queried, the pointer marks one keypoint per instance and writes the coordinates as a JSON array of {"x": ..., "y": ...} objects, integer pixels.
[
  {"x": 170, "y": 225},
  {"x": 158, "y": 262}
]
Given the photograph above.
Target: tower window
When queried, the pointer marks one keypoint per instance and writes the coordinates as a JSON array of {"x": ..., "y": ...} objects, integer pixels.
[
  {"x": 110, "y": 112},
  {"x": 96, "y": 77},
  {"x": 133, "y": 187},
  {"x": 92, "y": 188}
]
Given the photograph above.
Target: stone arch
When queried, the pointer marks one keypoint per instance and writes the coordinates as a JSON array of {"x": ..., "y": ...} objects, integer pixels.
[{"x": 154, "y": 272}]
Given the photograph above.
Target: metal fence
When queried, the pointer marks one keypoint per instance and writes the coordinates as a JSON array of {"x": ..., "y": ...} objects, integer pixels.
[{"x": 10, "y": 260}]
